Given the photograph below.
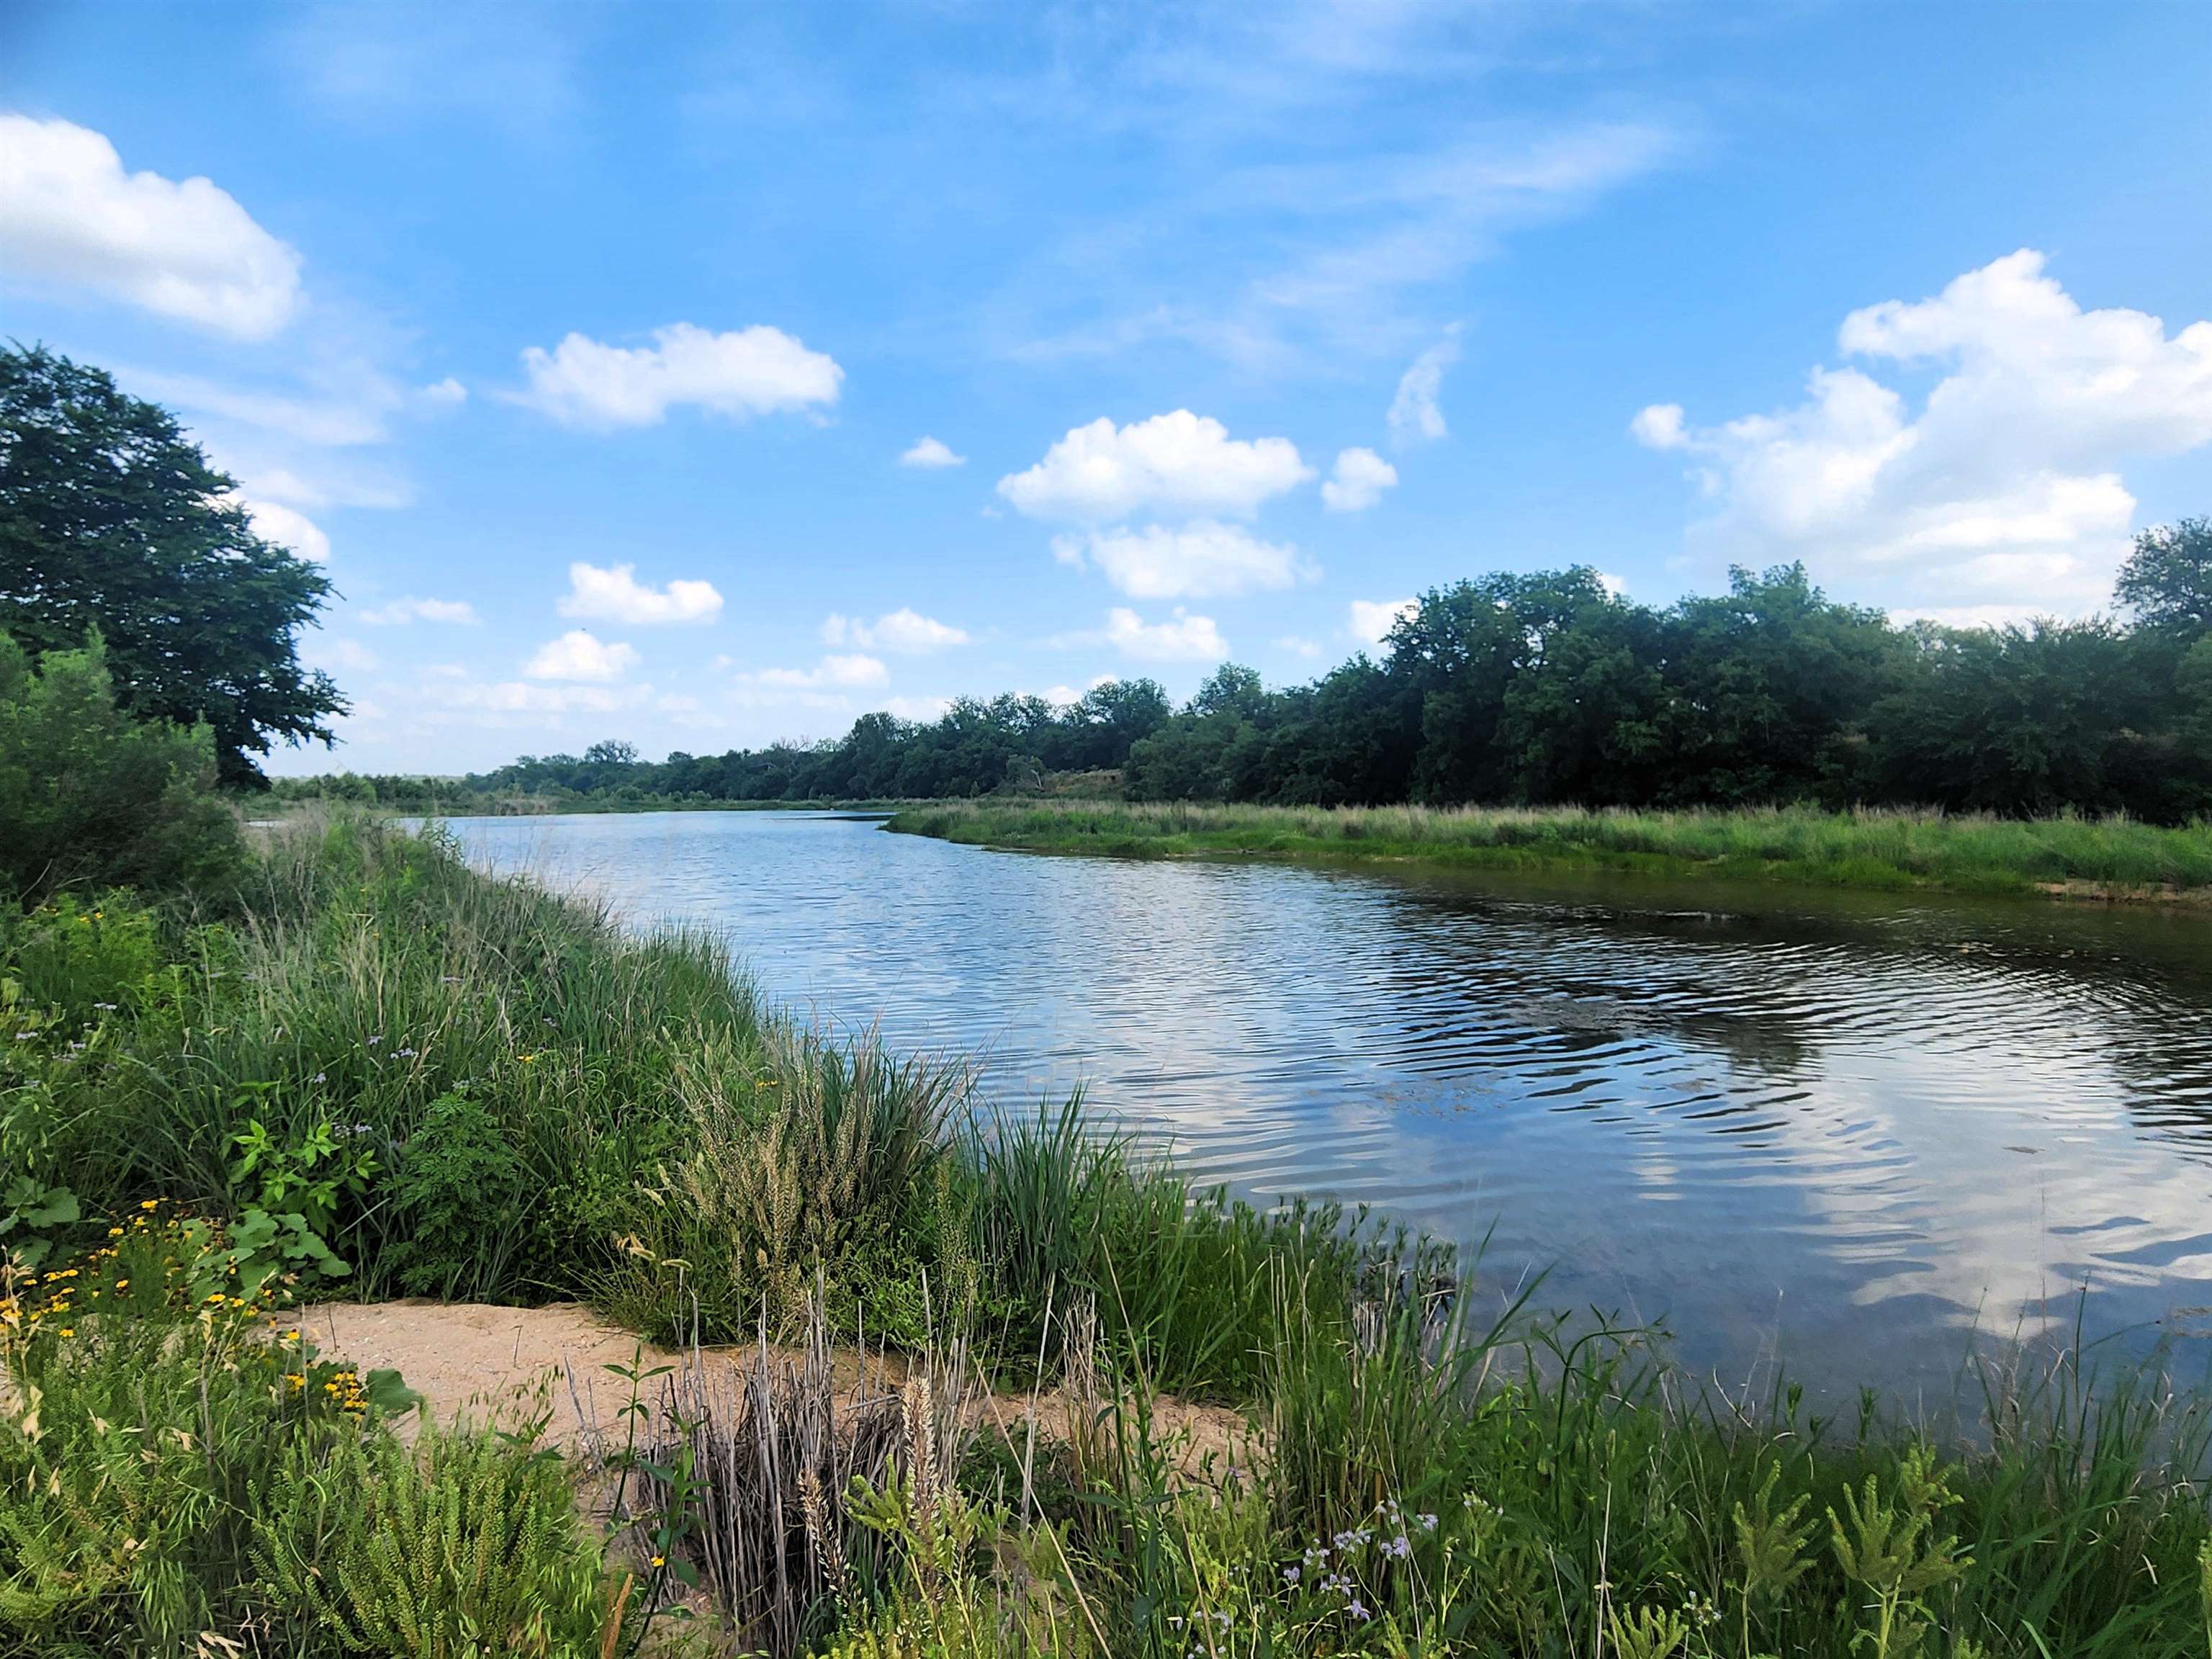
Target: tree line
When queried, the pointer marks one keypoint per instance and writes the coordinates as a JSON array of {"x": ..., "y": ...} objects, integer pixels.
[
  {"x": 118, "y": 540},
  {"x": 1549, "y": 687}
]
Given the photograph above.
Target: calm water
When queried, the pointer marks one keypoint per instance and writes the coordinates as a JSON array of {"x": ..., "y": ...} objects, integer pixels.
[{"x": 1849, "y": 1128}]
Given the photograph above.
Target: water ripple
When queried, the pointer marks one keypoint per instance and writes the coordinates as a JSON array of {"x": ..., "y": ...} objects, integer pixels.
[{"x": 1859, "y": 1124}]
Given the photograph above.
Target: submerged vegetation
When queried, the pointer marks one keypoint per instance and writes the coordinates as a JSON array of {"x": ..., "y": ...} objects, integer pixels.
[
  {"x": 379, "y": 1071},
  {"x": 2110, "y": 857}
]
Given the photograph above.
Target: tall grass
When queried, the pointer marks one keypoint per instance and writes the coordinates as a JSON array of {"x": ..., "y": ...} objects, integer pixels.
[{"x": 1869, "y": 847}]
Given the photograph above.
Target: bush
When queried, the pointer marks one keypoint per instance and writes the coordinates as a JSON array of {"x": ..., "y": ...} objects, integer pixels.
[
  {"x": 460, "y": 1195},
  {"x": 89, "y": 796}
]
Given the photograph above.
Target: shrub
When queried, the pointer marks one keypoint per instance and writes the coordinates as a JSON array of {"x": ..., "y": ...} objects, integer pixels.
[
  {"x": 459, "y": 1192},
  {"x": 89, "y": 796}
]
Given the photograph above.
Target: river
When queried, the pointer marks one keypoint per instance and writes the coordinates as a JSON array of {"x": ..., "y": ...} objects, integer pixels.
[{"x": 1848, "y": 1130}]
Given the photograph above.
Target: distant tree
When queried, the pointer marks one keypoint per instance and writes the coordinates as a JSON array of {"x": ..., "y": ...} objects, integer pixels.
[
  {"x": 111, "y": 518},
  {"x": 611, "y": 752},
  {"x": 2167, "y": 579}
]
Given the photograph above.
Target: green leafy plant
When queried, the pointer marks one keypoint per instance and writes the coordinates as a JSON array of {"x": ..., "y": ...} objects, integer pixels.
[
  {"x": 1890, "y": 1549},
  {"x": 461, "y": 1546},
  {"x": 458, "y": 1192}
]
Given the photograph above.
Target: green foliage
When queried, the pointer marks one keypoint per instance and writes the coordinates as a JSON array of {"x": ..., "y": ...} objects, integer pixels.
[
  {"x": 111, "y": 521},
  {"x": 88, "y": 795},
  {"x": 145, "y": 1419},
  {"x": 80, "y": 958},
  {"x": 458, "y": 1193},
  {"x": 2167, "y": 579},
  {"x": 462, "y": 1547}
]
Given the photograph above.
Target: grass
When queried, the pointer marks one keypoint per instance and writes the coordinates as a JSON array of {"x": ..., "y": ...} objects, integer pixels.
[
  {"x": 1868, "y": 848},
  {"x": 389, "y": 1073}
]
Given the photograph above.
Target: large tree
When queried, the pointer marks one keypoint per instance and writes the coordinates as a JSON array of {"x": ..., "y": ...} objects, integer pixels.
[
  {"x": 2167, "y": 579},
  {"x": 111, "y": 520}
]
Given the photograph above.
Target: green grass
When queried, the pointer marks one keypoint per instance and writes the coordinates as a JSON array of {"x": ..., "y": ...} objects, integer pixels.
[
  {"x": 1869, "y": 848},
  {"x": 467, "y": 1086}
]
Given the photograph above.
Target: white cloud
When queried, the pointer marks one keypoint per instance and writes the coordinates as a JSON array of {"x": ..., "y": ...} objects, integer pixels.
[
  {"x": 928, "y": 453},
  {"x": 577, "y": 656},
  {"x": 1177, "y": 462},
  {"x": 339, "y": 652},
  {"x": 904, "y": 631},
  {"x": 1416, "y": 417},
  {"x": 1361, "y": 477},
  {"x": 1203, "y": 559},
  {"x": 1659, "y": 426},
  {"x": 2002, "y": 495},
  {"x": 399, "y": 612},
  {"x": 854, "y": 672},
  {"x": 1616, "y": 587},
  {"x": 617, "y": 595},
  {"x": 71, "y": 216},
  {"x": 289, "y": 527},
  {"x": 1185, "y": 639},
  {"x": 515, "y": 697},
  {"x": 1299, "y": 646},
  {"x": 1369, "y": 620},
  {"x": 921, "y": 710},
  {"x": 749, "y": 371},
  {"x": 449, "y": 392}
]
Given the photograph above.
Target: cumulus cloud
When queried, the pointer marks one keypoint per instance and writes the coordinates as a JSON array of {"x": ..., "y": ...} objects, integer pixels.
[
  {"x": 1185, "y": 638},
  {"x": 905, "y": 631},
  {"x": 1369, "y": 620},
  {"x": 929, "y": 455},
  {"x": 1416, "y": 417},
  {"x": 1659, "y": 426},
  {"x": 1203, "y": 559},
  {"x": 1176, "y": 462},
  {"x": 399, "y": 612},
  {"x": 2001, "y": 494},
  {"x": 616, "y": 595},
  {"x": 71, "y": 216},
  {"x": 1360, "y": 478},
  {"x": 854, "y": 672},
  {"x": 449, "y": 392},
  {"x": 749, "y": 371},
  {"x": 576, "y": 655},
  {"x": 288, "y": 527}
]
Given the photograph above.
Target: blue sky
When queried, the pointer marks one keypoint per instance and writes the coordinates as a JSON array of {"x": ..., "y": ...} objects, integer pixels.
[{"x": 594, "y": 348}]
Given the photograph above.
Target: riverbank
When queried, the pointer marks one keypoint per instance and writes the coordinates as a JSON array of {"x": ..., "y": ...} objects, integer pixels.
[
  {"x": 384, "y": 1075},
  {"x": 2110, "y": 859}
]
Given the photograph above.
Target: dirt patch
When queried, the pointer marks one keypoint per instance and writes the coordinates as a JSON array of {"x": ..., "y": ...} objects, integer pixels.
[{"x": 504, "y": 1367}]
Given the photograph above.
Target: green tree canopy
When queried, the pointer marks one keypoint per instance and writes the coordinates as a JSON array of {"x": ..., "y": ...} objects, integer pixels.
[
  {"x": 111, "y": 518},
  {"x": 2167, "y": 579}
]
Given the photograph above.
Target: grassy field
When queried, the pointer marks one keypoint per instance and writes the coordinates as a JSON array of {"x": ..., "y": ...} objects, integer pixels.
[
  {"x": 2109, "y": 857},
  {"x": 383, "y": 1073}
]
